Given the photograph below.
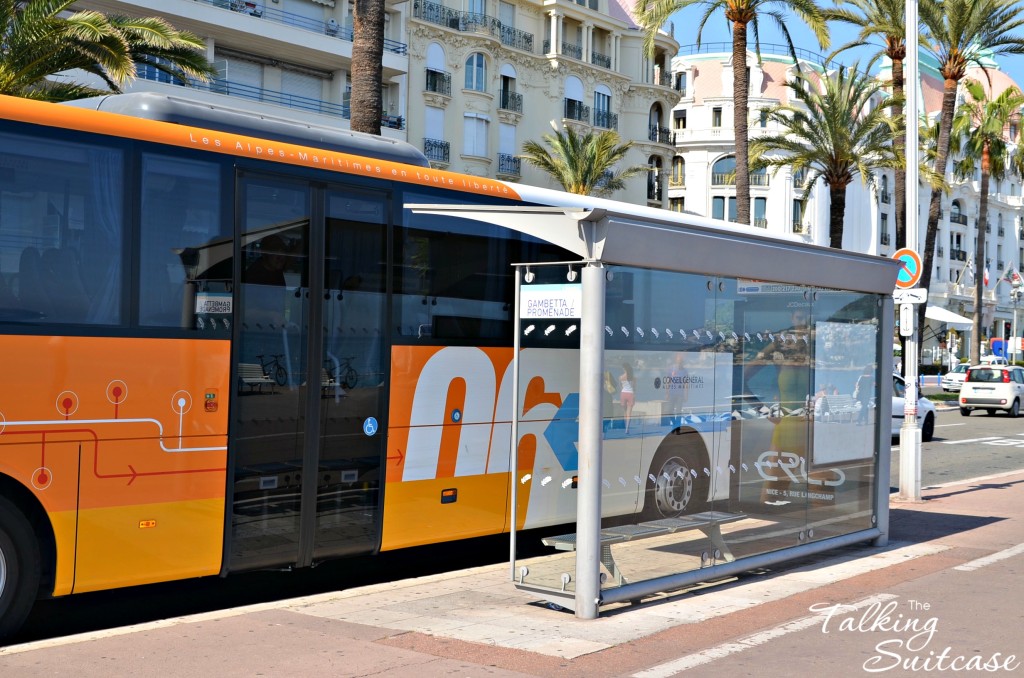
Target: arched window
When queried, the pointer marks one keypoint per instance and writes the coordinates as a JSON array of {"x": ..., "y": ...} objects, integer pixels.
[
  {"x": 723, "y": 172},
  {"x": 955, "y": 215},
  {"x": 603, "y": 108},
  {"x": 435, "y": 57},
  {"x": 575, "y": 109},
  {"x": 476, "y": 72}
]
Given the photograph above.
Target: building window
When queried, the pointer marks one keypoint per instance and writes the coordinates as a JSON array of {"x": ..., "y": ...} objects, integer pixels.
[
  {"x": 677, "y": 204},
  {"x": 760, "y": 212},
  {"x": 680, "y": 118},
  {"x": 798, "y": 216},
  {"x": 719, "y": 204},
  {"x": 764, "y": 118},
  {"x": 716, "y": 117},
  {"x": 474, "y": 137},
  {"x": 476, "y": 72}
]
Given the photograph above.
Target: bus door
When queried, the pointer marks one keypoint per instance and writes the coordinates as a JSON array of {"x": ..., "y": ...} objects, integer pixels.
[{"x": 309, "y": 397}]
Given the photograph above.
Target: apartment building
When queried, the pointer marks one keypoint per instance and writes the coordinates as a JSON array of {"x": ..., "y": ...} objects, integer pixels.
[
  {"x": 700, "y": 182},
  {"x": 468, "y": 81},
  {"x": 487, "y": 75},
  {"x": 282, "y": 58}
]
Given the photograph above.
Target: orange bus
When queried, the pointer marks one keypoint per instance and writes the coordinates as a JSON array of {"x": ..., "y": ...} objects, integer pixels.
[{"x": 230, "y": 345}]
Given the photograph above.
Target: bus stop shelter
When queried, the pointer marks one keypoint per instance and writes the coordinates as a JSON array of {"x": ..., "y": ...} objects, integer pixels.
[{"x": 690, "y": 402}]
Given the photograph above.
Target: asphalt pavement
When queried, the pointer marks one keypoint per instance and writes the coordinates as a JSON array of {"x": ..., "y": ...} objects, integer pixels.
[{"x": 943, "y": 596}]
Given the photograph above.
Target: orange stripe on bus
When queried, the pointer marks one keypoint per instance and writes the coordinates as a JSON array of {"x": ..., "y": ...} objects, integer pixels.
[
  {"x": 226, "y": 143},
  {"x": 451, "y": 432}
]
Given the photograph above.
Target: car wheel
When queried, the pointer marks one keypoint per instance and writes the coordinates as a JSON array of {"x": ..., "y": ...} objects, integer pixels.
[
  {"x": 928, "y": 429},
  {"x": 1014, "y": 410},
  {"x": 965, "y": 412}
]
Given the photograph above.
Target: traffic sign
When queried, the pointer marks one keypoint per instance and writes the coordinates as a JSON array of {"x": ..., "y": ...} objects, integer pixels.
[
  {"x": 906, "y": 320},
  {"x": 910, "y": 271},
  {"x": 915, "y": 295}
]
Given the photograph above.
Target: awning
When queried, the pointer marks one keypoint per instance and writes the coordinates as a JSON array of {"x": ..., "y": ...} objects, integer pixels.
[{"x": 958, "y": 322}]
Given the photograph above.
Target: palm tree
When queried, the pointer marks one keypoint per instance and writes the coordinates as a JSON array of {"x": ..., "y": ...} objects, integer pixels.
[
  {"x": 40, "y": 40},
  {"x": 741, "y": 14},
  {"x": 583, "y": 163},
  {"x": 960, "y": 33},
  {"x": 884, "y": 20},
  {"x": 833, "y": 134},
  {"x": 367, "y": 105},
  {"x": 982, "y": 124}
]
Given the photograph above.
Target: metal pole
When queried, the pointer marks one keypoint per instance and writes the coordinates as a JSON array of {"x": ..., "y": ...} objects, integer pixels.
[
  {"x": 513, "y": 472},
  {"x": 588, "y": 492},
  {"x": 910, "y": 434},
  {"x": 1015, "y": 296}
]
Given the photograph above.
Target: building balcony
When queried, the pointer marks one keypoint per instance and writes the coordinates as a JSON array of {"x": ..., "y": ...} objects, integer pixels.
[
  {"x": 940, "y": 253},
  {"x": 761, "y": 223},
  {"x": 798, "y": 227},
  {"x": 884, "y": 238},
  {"x": 509, "y": 165},
  {"x": 439, "y": 82},
  {"x": 602, "y": 60},
  {"x": 329, "y": 28},
  {"x": 437, "y": 150},
  {"x": 958, "y": 255},
  {"x": 510, "y": 101},
  {"x": 676, "y": 182},
  {"x": 473, "y": 22},
  {"x": 568, "y": 49},
  {"x": 885, "y": 197},
  {"x": 759, "y": 179},
  {"x": 577, "y": 110},
  {"x": 1001, "y": 231},
  {"x": 723, "y": 179},
  {"x": 661, "y": 135},
  {"x": 958, "y": 219},
  {"x": 606, "y": 120}
]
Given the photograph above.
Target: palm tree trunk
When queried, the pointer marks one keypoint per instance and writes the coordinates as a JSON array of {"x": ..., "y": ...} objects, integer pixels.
[
  {"x": 740, "y": 85},
  {"x": 836, "y": 214},
  {"x": 941, "y": 157},
  {"x": 979, "y": 256},
  {"x": 367, "y": 56},
  {"x": 900, "y": 143}
]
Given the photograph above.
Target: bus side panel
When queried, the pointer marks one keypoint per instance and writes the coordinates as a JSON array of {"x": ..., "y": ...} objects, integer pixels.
[{"x": 139, "y": 425}]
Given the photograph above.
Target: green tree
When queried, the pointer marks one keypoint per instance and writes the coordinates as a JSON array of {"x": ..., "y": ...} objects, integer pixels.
[
  {"x": 882, "y": 21},
  {"x": 41, "y": 38},
  {"x": 833, "y": 134},
  {"x": 583, "y": 163},
  {"x": 366, "y": 102},
  {"x": 960, "y": 33},
  {"x": 982, "y": 125},
  {"x": 741, "y": 14}
]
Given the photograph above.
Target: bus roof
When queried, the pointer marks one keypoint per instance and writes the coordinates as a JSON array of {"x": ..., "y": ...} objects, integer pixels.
[{"x": 195, "y": 113}]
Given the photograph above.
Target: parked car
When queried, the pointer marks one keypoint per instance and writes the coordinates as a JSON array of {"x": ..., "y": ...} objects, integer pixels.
[
  {"x": 992, "y": 359},
  {"x": 991, "y": 388},
  {"x": 925, "y": 410},
  {"x": 954, "y": 379}
]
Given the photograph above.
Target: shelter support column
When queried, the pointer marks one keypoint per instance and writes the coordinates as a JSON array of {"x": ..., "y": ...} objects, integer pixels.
[{"x": 588, "y": 498}]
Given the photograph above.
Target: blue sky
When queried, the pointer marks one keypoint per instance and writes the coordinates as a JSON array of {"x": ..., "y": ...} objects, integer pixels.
[{"x": 718, "y": 30}]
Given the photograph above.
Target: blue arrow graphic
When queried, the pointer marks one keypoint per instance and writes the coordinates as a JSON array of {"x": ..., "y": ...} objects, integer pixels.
[{"x": 563, "y": 433}]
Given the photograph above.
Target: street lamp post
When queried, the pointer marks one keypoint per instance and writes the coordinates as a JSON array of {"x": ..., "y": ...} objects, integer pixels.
[{"x": 1014, "y": 297}]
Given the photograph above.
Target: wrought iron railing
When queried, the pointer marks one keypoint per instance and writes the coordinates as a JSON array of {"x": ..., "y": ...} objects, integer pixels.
[
  {"x": 662, "y": 135},
  {"x": 606, "y": 120},
  {"x": 329, "y": 28},
  {"x": 439, "y": 81},
  {"x": 472, "y": 22},
  {"x": 577, "y": 110},
  {"x": 510, "y": 101},
  {"x": 599, "y": 59},
  {"x": 436, "y": 150},
  {"x": 509, "y": 164},
  {"x": 886, "y": 197},
  {"x": 958, "y": 219}
]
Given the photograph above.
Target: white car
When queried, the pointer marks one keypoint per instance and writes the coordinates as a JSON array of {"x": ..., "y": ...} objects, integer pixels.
[
  {"x": 992, "y": 359},
  {"x": 991, "y": 388},
  {"x": 925, "y": 410},
  {"x": 954, "y": 379}
]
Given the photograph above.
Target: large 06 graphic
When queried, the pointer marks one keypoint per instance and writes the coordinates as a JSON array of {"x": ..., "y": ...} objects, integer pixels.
[{"x": 449, "y": 452}]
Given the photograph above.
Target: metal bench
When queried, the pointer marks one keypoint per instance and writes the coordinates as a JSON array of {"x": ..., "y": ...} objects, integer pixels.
[
  {"x": 708, "y": 522},
  {"x": 252, "y": 375}
]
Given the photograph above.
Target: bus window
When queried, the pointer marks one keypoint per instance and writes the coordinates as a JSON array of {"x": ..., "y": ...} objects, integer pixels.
[
  {"x": 180, "y": 285},
  {"x": 62, "y": 222}
]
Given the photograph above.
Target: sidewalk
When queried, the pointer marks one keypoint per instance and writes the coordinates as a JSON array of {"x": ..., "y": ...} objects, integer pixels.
[{"x": 950, "y": 576}]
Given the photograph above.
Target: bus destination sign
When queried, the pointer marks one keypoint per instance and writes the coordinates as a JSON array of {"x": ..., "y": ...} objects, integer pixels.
[{"x": 550, "y": 301}]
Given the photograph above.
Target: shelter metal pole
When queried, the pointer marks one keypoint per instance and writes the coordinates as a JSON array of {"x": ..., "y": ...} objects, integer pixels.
[
  {"x": 588, "y": 497},
  {"x": 910, "y": 434}
]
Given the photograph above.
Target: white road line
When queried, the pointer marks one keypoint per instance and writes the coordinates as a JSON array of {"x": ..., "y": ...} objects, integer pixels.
[
  {"x": 978, "y": 479},
  {"x": 994, "y": 558},
  {"x": 676, "y": 666},
  {"x": 970, "y": 440},
  {"x": 948, "y": 425}
]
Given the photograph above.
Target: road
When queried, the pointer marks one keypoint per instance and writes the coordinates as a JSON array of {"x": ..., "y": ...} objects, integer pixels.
[
  {"x": 967, "y": 447},
  {"x": 963, "y": 447}
]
